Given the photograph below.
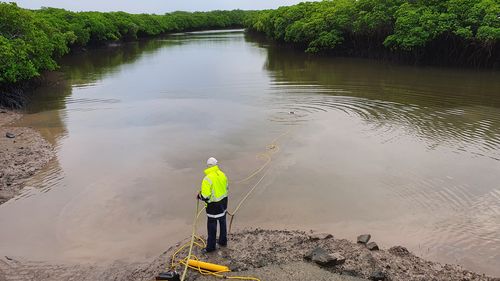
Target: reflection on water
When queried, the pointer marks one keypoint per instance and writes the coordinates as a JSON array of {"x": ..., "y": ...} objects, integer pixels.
[
  {"x": 457, "y": 109},
  {"x": 444, "y": 110},
  {"x": 411, "y": 155}
]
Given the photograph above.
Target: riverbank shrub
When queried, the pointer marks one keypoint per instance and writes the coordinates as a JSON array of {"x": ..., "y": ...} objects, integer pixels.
[
  {"x": 32, "y": 40},
  {"x": 449, "y": 31}
]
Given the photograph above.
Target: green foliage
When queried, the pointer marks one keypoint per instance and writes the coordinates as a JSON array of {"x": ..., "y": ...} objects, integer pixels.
[
  {"x": 375, "y": 15},
  {"x": 399, "y": 25},
  {"x": 25, "y": 48},
  {"x": 14, "y": 60},
  {"x": 317, "y": 25},
  {"x": 31, "y": 40}
]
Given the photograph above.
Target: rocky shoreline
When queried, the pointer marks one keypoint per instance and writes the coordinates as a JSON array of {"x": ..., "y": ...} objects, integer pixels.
[
  {"x": 254, "y": 249},
  {"x": 270, "y": 255},
  {"x": 23, "y": 151}
]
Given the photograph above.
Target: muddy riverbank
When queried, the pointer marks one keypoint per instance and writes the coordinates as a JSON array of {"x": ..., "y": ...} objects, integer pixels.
[
  {"x": 23, "y": 151},
  {"x": 265, "y": 254}
]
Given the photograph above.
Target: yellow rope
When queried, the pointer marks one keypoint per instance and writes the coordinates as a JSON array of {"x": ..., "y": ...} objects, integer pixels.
[
  {"x": 232, "y": 214},
  {"x": 201, "y": 244},
  {"x": 271, "y": 149},
  {"x": 193, "y": 234},
  {"x": 268, "y": 160}
]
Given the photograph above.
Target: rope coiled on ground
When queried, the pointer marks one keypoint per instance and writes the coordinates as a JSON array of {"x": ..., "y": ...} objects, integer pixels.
[{"x": 199, "y": 242}]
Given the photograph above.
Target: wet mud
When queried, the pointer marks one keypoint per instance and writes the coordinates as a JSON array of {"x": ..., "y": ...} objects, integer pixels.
[
  {"x": 264, "y": 254},
  {"x": 23, "y": 151}
]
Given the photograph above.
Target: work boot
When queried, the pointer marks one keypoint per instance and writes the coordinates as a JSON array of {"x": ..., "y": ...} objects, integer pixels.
[{"x": 206, "y": 251}]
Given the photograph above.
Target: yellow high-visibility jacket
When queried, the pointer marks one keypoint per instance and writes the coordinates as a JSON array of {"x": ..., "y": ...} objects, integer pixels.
[{"x": 214, "y": 186}]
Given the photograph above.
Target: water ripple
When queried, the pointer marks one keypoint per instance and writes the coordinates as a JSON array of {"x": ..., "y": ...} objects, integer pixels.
[
  {"x": 45, "y": 180},
  {"x": 72, "y": 100},
  {"x": 472, "y": 129}
]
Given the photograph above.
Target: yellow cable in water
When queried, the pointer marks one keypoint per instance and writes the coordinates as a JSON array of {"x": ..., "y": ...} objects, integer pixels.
[
  {"x": 232, "y": 214},
  {"x": 268, "y": 160},
  {"x": 272, "y": 148}
]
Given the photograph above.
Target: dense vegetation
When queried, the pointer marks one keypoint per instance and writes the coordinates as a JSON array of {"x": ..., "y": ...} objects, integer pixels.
[
  {"x": 32, "y": 40},
  {"x": 440, "y": 31}
]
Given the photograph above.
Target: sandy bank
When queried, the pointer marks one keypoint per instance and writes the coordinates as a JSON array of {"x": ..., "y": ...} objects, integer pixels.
[
  {"x": 266, "y": 254},
  {"x": 23, "y": 151}
]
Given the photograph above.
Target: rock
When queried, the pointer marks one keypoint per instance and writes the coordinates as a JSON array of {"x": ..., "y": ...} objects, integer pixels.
[
  {"x": 339, "y": 257},
  {"x": 323, "y": 258},
  {"x": 372, "y": 246},
  {"x": 364, "y": 238},
  {"x": 399, "y": 251},
  {"x": 314, "y": 252},
  {"x": 10, "y": 135},
  {"x": 3, "y": 111},
  {"x": 377, "y": 276},
  {"x": 320, "y": 236}
]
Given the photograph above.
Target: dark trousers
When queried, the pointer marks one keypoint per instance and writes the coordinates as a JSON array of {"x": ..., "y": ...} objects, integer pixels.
[
  {"x": 212, "y": 232},
  {"x": 216, "y": 208}
]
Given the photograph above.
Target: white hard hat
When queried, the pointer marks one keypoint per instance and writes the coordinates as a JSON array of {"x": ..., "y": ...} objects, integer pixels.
[{"x": 211, "y": 162}]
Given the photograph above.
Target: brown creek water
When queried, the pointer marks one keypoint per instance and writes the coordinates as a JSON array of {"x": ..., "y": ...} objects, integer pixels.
[{"x": 408, "y": 154}]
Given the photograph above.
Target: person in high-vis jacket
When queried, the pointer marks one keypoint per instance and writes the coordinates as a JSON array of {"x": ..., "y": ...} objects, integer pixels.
[{"x": 214, "y": 189}]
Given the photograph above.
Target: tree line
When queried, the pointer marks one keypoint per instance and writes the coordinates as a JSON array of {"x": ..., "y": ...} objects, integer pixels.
[
  {"x": 465, "y": 32},
  {"x": 449, "y": 31},
  {"x": 32, "y": 40}
]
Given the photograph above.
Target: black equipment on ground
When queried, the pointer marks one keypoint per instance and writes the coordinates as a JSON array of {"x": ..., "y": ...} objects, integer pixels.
[{"x": 169, "y": 275}]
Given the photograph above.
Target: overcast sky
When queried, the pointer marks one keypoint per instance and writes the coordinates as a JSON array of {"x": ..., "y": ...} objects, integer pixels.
[{"x": 154, "y": 6}]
